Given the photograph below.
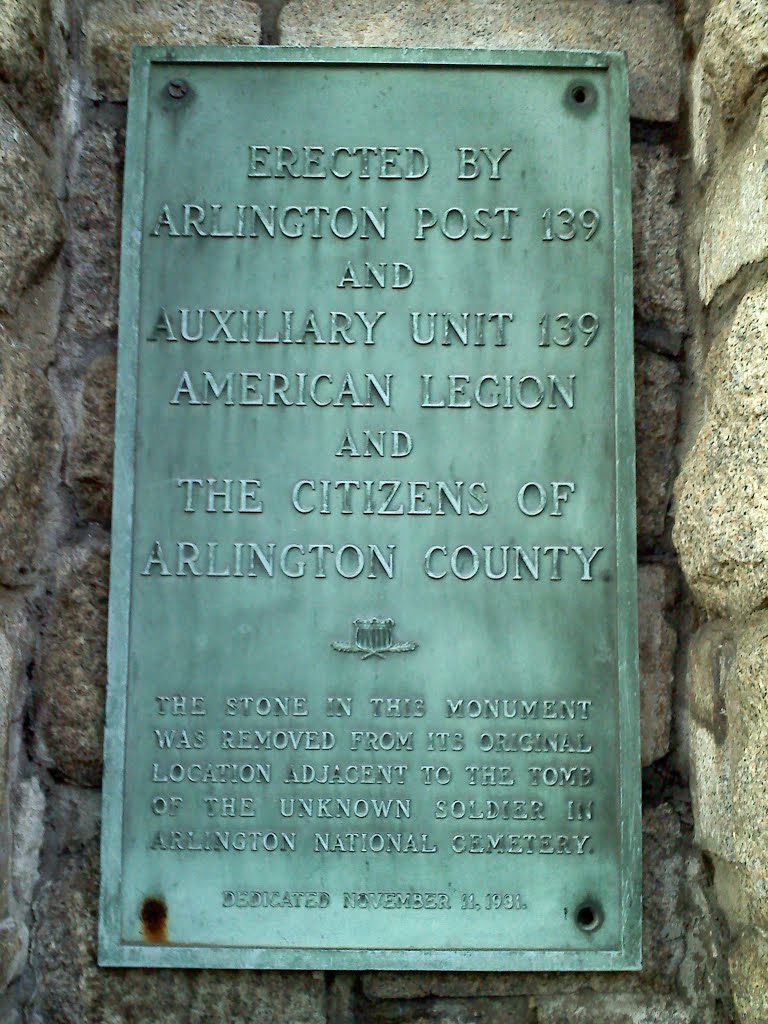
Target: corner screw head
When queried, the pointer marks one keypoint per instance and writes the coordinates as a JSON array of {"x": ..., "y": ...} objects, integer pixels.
[{"x": 177, "y": 88}]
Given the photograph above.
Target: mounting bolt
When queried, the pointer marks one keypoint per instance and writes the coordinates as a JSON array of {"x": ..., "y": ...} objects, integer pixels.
[
  {"x": 581, "y": 96},
  {"x": 589, "y": 916},
  {"x": 177, "y": 88}
]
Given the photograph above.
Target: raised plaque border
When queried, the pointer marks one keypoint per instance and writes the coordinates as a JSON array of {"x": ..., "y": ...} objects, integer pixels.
[{"x": 113, "y": 952}]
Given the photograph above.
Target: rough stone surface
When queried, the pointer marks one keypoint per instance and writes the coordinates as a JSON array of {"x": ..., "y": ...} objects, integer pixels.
[
  {"x": 9, "y": 671},
  {"x": 645, "y": 31},
  {"x": 679, "y": 933},
  {"x": 114, "y": 26},
  {"x": 721, "y": 528},
  {"x": 656, "y": 230},
  {"x": 624, "y": 1009},
  {"x": 658, "y": 643},
  {"x": 23, "y": 58},
  {"x": 90, "y": 464},
  {"x": 706, "y": 129},
  {"x": 742, "y": 894},
  {"x": 694, "y": 15},
  {"x": 678, "y": 943},
  {"x": 21, "y": 802},
  {"x": 730, "y": 64},
  {"x": 94, "y": 208},
  {"x": 657, "y": 383},
  {"x": 727, "y": 688},
  {"x": 29, "y": 214},
  {"x": 734, "y": 52},
  {"x": 73, "y": 667},
  {"x": 27, "y": 821},
  {"x": 710, "y": 653},
  {"x": 735, "y": 220},
  {"x": 746, "y": 688},
  {"x": 10, "y": 1013},
  {"x": 28, "y": 450},
  {"x": 449, "y": 1011},
  {"x": 13, "y": 949},
  {"x": 748, "y": 966},
  {"x": 10, "y": 943},
  {"x": 341, "y": 997},
  {"x": 72, "y": 989}
]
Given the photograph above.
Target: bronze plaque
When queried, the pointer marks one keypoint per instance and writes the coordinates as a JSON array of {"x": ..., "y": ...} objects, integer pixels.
[{"x": 373, "y": 655}]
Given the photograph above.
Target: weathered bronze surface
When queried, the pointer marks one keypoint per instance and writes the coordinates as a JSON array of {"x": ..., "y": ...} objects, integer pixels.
[{"x": 373, "y": 656}]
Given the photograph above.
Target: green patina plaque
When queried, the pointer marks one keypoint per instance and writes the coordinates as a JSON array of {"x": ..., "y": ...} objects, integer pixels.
[{"x": 373, "y": 691}]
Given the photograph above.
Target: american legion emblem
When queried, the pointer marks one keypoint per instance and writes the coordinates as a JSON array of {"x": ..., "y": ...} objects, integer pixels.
[{"x": 373, "y": 638}]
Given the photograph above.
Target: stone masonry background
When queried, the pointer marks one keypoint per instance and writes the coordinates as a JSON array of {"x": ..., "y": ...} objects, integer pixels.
[{"x": 699, "y": 84}]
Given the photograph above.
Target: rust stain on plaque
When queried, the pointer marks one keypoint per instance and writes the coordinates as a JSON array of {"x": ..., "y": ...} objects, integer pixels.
[{"x": 154, "y": 919}]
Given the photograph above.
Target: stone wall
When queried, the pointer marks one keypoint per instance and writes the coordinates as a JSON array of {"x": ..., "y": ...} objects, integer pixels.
[
  {"x": 698, "y": 81},
  {"x": 721, "y": 494}
]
